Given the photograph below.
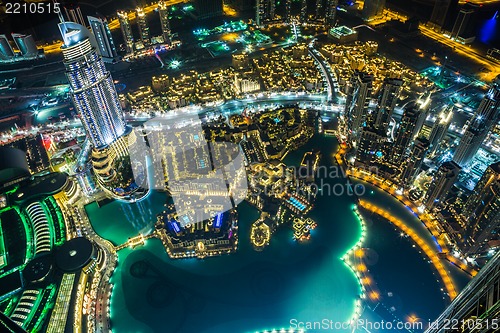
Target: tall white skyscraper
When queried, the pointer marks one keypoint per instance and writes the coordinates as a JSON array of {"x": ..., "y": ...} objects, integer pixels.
[{"x": 92, "y": 89}]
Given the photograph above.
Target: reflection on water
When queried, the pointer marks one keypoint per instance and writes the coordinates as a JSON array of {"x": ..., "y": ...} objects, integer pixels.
[{"x": 250, "y": 291}]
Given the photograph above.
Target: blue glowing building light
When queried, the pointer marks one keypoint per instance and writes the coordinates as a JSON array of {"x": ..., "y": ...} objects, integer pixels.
[{"x": 218, "y": 220}]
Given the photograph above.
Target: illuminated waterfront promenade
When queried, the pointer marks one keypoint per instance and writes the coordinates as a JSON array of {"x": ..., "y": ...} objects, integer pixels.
[
  {"x": 430, "y": 251},
  {"x": 427, "y": 219}
]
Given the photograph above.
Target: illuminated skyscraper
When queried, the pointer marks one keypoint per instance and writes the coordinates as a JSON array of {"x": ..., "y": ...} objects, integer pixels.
[
  {"x": 100, "y": 29},
  {"x": 128, "y": 37},
  {"x": 387, "y": 101},
  {"x": 96, "y": 100},
  {"x": 143, "y": 26},
  {"x": 303, "y": 10},
  {"x": 26, "y": 45},
  {"x": 288, "y": 11},
  {"x": 478, "y": 303},
  {"x": 319, "y": 9},
  {"x": 412, "y": 165},
  {"x": 331, "y": 12},
  {"x": 165, "y": 22},
  {"x": 423, "y": 104},
  {"x": 441, "y": 184},
  {"x": 265, "y": 11},
  {"x": 486, "y": 116},
  {"x": 439, "y": 129},
  {"x": 404, "y": 134},
  {"x": 441, "y": 12},
  {"x": 370, "y": 144},
  {"x": 209, "y": 8},
  {"x": 74, "y": 13},
  {"x": 6, "y": 52},
  {"x": 482, "y": 212},
  {"x": 373, "y": 8},
  {"x": 357, "y": 101},
  {"x": 92, "y": 89}
]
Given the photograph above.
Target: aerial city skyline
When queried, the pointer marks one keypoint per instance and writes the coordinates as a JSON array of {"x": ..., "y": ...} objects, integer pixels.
[{"x": 297, "y": 166}]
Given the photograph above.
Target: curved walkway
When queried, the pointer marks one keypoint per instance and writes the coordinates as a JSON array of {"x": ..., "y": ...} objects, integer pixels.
[
  {"x": 430, "y": 252},
  {"x": 428, "y": 220}
]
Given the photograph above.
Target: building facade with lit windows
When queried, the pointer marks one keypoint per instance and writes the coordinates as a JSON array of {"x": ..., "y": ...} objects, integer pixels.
[
  {"x": 442, "y": 182},
  {"x": 412, "y": 165},
  {"x": 96, "y": 100},
  {"x": 357, "y": 101},
  {"x": 387, "y": 100},
  {"x": 265, "y": 11},
  {"x": 483, "y": 121},
  {"x": 92, "y": 89},
  {"x": 102, "y": 34},
  {"x": 331, "y": 12},
  {"x": 404, "y": 135},
  {"x": 126, "y": 29},
  {"x": 370, "y": 144},
  {"x": 142, "y": 23},
  {"x": 439, "y": 129},
  {"x": 481, "y": 213},
  {"x": 165, "y": 22}
]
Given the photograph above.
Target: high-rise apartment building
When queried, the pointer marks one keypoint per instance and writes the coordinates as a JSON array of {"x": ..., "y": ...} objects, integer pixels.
[
  {"x": 319, "y": 10},
  {"x": 165, "y": 22},
  {"x": 74, "y": 13},
  {"x": 404, "y": 134},
  {"x": 303, "y": 10},
  {"x": 331, "y": 12},
  {"x": 411, "y": 167},
  {"x": 128, "y": 37},
  {"x": 106, "y": 46},
  {"x": 265, "y": 11},
  {"x": 357, "y": 101},
  {"x": 439, "y": 129},
  {"x": 486, "y": 116},
  {"x": 464, "y": 28},
  {"x": 96, "y": 100},
  {"x": 142, "y": 23},
  {"x": 387, "y": 100},
  {"x": 481, "y": 212},
  {"x": 442, "y": 182},
  {"x": 370, "y": 145}
]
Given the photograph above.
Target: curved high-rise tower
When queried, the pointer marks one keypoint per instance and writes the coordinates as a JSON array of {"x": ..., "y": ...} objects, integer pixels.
[
  {"x": 96, "y": 100},
  {"x": 92, "y": 88}
]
